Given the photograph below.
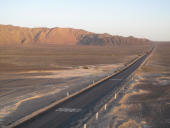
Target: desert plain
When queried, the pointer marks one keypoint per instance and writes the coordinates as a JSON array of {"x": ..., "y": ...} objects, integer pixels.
[{"x": 34, "y": 76}]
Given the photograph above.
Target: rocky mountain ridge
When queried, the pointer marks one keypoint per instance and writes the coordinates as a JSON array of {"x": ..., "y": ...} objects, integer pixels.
[{"x": 62, "y": 36}]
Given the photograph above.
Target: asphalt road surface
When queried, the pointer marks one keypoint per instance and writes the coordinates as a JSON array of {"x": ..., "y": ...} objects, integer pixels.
[{"x": 67, "y": 114}]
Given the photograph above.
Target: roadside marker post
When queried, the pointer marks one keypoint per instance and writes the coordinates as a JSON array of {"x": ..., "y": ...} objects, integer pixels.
[
  {"x": 85, "y": 126},
  {"x": 97, "y": 116},
  {"x": 105, "y": 107},
  {"x": 68, "y": 94},
  {"x": 115, "y": 95}
]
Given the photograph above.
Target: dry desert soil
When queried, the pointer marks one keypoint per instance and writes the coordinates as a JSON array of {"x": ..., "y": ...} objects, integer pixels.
[{"x": 32, "y": 77}]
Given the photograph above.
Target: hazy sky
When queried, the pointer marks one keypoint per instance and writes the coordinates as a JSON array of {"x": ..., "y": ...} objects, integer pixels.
[{"x": 140, "y": 18}]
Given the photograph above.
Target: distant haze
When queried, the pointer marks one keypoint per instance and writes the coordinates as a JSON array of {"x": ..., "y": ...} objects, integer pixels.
[{"x": 140, "y": 18}]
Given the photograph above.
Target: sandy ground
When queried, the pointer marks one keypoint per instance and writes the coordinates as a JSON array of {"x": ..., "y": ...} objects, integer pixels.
[
  {"x": 146, "y": 103},
  {"x": 31, "y": 78},
  {"x": 14, "y": 59},
  {"x": 35, "y": 87}
]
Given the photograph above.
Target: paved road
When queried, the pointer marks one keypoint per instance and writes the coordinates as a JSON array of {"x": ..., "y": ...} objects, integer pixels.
[{"x": 67, "y": 113}]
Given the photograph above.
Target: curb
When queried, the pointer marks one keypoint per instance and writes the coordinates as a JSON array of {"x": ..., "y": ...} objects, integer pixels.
[{"x": 121, "y": 89}]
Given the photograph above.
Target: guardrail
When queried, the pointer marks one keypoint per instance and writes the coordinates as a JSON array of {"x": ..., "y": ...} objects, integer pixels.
[
  {"x": 119, "y": 91},
  {"x": 36, "y": 113}
]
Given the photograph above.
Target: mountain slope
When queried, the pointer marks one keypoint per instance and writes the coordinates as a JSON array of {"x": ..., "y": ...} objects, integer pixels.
[{"x": 61, "y": 36}]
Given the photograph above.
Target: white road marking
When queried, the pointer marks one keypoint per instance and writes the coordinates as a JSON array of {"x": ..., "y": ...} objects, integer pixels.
[
  {"x": 68, "y": 110},
  {"x": 167, "y": 120}
]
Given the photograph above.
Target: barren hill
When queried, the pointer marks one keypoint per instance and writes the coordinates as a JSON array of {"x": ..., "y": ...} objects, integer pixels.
[{"x": 62, "y": 36}]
